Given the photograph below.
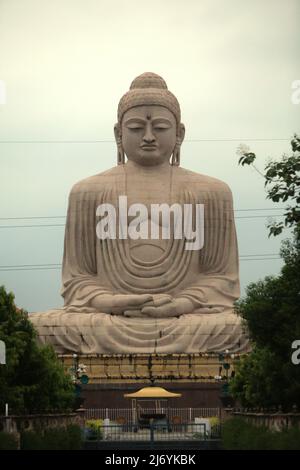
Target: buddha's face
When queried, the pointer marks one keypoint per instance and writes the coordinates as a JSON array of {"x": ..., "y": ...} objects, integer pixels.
[{"x": 148, "y": 134}]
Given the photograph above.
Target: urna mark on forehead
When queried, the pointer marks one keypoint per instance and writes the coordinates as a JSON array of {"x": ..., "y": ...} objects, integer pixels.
[{"x": 149, "y": 113}]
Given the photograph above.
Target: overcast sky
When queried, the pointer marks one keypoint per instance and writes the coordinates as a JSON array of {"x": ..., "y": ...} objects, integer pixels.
[{"x": 66, "y": 63}]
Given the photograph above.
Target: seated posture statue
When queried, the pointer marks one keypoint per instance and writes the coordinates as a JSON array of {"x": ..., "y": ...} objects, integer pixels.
[{"x": 126, "y": 287}]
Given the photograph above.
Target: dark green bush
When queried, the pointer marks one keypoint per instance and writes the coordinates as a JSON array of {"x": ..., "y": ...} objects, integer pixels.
[
  {"x": 288, "y": 440},
  {"x": 69, "y": 438},
  {"x": 237, "y": 434},
  {"x": 8, "y": 441},
  {"x": 31, "y": 440},
  {"x": 74, "y": 437}
]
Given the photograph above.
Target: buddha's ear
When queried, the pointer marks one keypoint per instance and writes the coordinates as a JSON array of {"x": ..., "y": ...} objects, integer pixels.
[
  {"x": 181, "y": 133},
  {"x": 179, "y": 139},
  {"x": 118, "y": 137},
  {"x": 117, "y": 132}
]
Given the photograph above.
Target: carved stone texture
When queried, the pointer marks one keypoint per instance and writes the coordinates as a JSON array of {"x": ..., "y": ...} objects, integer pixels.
[{"x": 130, "y": 291}]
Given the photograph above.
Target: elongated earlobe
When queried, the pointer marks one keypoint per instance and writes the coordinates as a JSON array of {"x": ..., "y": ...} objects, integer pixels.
[
  {"x": 120, "y": 155},
  {"x": 176, "y": 155},
  {"x": 118, "y": 137}
]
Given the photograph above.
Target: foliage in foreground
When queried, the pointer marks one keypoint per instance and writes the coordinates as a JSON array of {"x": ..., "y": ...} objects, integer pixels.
[
  {"x": 94, "y": 428},
  {"x": 282, "y": 181},
  {"x": 69, "y": 438},
  {"x": 33, "y": 380},
  {"x": 237, "y": 434},
  {"x": 8, "y": 441},
  {"x": 268, "y": 377}
]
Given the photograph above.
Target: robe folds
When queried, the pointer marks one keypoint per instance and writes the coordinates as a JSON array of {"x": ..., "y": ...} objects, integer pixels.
[{"x": 92, "y": 267}]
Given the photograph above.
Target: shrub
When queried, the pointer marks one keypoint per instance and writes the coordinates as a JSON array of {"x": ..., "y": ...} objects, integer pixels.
[
  {"x": 8, "y": 441},
  {"x": 214, "y": 426},
  {"x": 287, "y": 440},
  {"x": 74, "y": 437},
  {"x": 94, "y": 429},
  {"x": 31, "y": 440},
  {"x": 237, "y": 434},
  {"x": 69, "y": 438}
]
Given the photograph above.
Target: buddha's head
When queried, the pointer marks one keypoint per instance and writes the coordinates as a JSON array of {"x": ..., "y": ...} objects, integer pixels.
[{"x": 149, "y": 130}]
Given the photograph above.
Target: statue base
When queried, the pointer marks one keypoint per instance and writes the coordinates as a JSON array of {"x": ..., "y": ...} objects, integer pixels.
[
  {"x": 200, "y": 378},
  {"x": 100, "y": 333}
]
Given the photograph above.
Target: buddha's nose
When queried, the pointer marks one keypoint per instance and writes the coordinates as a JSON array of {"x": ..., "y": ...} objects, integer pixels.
[{"x": 149, "y": 137}]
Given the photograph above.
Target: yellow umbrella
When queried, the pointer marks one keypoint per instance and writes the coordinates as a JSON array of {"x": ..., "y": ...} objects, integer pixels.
[{"x": 152, "y": 392}]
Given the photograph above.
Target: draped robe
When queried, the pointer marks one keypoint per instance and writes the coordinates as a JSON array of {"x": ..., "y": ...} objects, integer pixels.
[{"x": 92, "y": 267}]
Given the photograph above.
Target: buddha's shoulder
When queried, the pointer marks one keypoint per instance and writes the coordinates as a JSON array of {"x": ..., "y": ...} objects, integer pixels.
[
  {"x": 199, "y": 181},
  {"x": 96, "y": 182}
]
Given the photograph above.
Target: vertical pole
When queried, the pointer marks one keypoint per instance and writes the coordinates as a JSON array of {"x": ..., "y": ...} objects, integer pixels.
[{"x": 151, "y": 432}]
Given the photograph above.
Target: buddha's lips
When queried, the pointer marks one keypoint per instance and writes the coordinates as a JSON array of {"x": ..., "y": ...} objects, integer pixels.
[{"x": 149, "y": 147}]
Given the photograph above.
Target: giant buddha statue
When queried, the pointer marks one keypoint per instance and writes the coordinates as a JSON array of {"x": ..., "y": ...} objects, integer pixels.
[{"x": 125, "y": 290}]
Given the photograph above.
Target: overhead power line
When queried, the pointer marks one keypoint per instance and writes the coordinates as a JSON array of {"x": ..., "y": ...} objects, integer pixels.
[
  {"x": 29, "y": 265},
  {"x": 261, "y": 209},
  {"x": 32, "y": 225},
  {"x": 63, "y": 225},
  {"x": 259, "y": 259},
  {"x": 63, "y": 216},
  {"x": 102, "y": 141},
  {"x": 258, "y": 216},
  {"x": 260, "y": 254},
  {"x": 34, "y": 217},
  {"x": 46, "y": 266},
  {"x": 31, "y": 269}
]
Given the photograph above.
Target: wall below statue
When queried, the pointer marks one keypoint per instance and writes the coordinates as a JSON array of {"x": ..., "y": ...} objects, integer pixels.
[
  {"x": 141, "y": 368},
  {"x": 194, "y": 395},
  {"x": 200, "y": 378}
]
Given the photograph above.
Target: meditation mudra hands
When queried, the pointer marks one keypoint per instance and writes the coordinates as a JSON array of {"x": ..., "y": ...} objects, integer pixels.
[{"x": 143, "y": 305}]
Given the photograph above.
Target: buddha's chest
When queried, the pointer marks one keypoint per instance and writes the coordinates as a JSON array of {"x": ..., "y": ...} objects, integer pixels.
[
  {"x": 150, "y": 222},
  {"x": 149, "y": 225},
  {"x": 148, "y": 194}
]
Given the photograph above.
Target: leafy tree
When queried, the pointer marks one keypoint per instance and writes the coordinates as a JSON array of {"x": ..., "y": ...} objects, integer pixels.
[
  {"x": 282, "y": 180},
  {"x": 267, "y": 377},
  {"x": 33, "y": 380},
  {"x": 271, "y": 307}
]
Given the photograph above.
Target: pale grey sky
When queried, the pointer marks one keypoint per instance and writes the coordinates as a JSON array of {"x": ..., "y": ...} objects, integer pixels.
[{"x": 66, "y": 63}]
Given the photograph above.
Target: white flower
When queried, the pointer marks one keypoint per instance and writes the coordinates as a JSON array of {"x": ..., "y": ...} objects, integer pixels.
[{"x": 242, "y": 150}]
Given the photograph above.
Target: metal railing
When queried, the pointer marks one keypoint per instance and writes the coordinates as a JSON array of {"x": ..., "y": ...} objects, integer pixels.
[
  {"x": 176, "y": 415},
  {"x": 156, "y": 432}
]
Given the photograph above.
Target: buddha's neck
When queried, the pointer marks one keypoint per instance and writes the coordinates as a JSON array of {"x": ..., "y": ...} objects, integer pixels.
[{"x": 156, "y": 170}]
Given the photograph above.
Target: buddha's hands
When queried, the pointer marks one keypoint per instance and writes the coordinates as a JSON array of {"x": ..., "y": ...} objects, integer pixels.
[
  {"x": 158, "y": 300},
  {"x": 142, "y": 305},
  {"x": 118, "y": 304},
  {"x": 173, "y": 308}
]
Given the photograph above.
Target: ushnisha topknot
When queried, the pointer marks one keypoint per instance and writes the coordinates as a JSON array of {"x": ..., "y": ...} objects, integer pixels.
[{"x": 149, "y": 89}]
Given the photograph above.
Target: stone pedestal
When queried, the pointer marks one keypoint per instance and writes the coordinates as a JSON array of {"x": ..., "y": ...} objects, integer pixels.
[
  {"x": 199, "y": 377},
  {"x": 100, "y": 333}
]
